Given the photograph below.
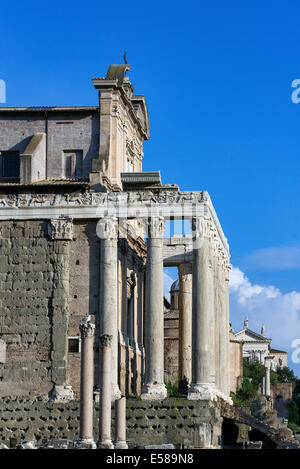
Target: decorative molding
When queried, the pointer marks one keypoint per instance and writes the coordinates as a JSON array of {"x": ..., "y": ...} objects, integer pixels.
[
  {"x": 165, "y": 195},
  {"x": 165, "y": 201},
  {"x": 60, "y": 228}
]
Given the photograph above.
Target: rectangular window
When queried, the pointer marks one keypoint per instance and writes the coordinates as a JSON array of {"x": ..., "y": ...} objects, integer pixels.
[
  {"x": 72, "y": 164},
  {"x": 74, "y": 344},
  {"x": 10, "y": 167}
]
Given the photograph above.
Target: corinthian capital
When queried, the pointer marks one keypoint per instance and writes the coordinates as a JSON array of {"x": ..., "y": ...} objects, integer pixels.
[
  {"x": 61, "y": 228},
  {"x": 86, "y": 329},
  {"x": 106, "y": 340},
  {"x": 107, "y": 228},
  {"x": 156, "y": 226}
]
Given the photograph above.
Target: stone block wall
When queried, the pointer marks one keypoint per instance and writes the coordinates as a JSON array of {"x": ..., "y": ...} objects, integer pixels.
[
  {"x": 33, "y": 308},
  {"x": 176, "y": 421}
]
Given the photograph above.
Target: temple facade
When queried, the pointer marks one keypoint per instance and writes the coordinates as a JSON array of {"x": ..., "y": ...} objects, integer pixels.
[
  {"x": 257, "y": 347},
  {"x": 82, "y": 238}
]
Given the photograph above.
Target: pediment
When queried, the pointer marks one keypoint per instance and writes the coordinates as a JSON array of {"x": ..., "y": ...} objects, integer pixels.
[
  {"x": 246, "y": 335},
  {"x": 141, "y": 111}
]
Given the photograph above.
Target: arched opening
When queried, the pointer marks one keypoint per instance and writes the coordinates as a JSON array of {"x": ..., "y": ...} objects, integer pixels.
[{"x": 229, "y": 434}]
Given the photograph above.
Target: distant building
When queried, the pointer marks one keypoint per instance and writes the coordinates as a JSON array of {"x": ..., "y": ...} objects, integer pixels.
[{"x": 257, "y": 347}]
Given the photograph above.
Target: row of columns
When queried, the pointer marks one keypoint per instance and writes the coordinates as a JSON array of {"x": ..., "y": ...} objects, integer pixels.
[
  {"x": 208, "y": 282},
  {"x": 86, "y": 439},
  {"x": 204, "y": 308}
]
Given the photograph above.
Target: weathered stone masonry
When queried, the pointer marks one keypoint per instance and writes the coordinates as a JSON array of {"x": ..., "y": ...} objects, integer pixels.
[
  {"x": 34, "y": 277},
  {"x": 176, "y": 421}
]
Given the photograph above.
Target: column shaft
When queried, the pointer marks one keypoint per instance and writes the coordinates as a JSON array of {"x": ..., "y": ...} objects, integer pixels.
[
  {"x": 154, "y": 387},
  {"x": 107, "y": 230},
  {"x": 105, "y": 393},
  {"x": 203, "y": 316},
  {"x": 268, "y": 377},
  {"x": 185, "y": 327},
  {"x": 223, "y": 335},
  {"x": 87, "y": 381},
  {"x": 120, "y": 424}
]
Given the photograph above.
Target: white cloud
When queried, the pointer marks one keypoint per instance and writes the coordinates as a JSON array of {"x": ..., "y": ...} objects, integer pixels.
[
  {"x": 278, "y": 311},
  {"x": 168, "y": 280},
  {"x": 262, "y": 304},
  {"x": 274, "y": 258}
]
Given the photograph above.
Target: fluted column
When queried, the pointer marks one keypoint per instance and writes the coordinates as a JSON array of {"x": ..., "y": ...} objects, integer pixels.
[
  {"x": 203, "y": 315},
  {"x": 105, "y": 392},
  {"x": 107, "y": 231},
  {"x": 154, "y": 387},
  {"x": 185, "y": 327},
  {"x": 87, "y": 331}
]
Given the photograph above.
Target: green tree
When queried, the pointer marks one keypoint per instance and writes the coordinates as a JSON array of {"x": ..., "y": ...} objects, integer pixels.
[
  {"x": 293, "y": 412},
  {"x": 255, "y": 371},
  {"x": 286, "y": 375}
]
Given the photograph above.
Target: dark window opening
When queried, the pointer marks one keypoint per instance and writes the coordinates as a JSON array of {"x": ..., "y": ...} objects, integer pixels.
[
  {"x": 73, "y": 345},
  {"x": 10, "y": 164}
]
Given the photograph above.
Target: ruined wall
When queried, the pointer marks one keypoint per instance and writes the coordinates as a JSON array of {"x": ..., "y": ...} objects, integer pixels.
[
  {"x": 176, "y": 421},
  {"x": 33, "y": 308},
  {"x": 84, "y": 291},
  {"x": 171, "y": 345},
  {"x": 236, "y": 363},
  {"x": 282, "y": 393}
]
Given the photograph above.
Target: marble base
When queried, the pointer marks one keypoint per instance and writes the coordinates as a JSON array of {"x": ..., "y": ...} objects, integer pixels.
[
  {"x": 154, "y": 392},
  {"x": 115, "y": 393},
  {"x": 105, "y": 444},
  {"x": 121, "y": 445},
  {"x": 202, "y": 392},
  {"x": 61, "y": 394},
  {"x": 85, "y": 443}
]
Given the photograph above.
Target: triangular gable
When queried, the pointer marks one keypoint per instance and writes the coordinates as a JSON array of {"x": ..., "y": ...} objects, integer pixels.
[{"x": 247, "y": 335}]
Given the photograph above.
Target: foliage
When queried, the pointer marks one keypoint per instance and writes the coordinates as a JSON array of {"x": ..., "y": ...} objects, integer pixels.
[
  {"x": 293, "y": 412},
  {"x": 286, "y": 375},
  {"x": 255, "y": 371},
  {"x": 244, "y": 395},
  {"x": 273, "y": 377},
  {"x": 172, "y": 389},
  {"x": 294, "y": 427},
  {"x": 238, "y": 402}
]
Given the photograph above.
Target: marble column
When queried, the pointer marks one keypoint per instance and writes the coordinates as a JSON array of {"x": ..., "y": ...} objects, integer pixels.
[
  {"x": 105, "y": 392},
  {"x": 203, "y": 314},
  {"x": 268, "y": 378},
  {"x": 107, "y": 231},
  {"x": 120, "y": 424},
  {"x": 185, "y": 327},
  {"x": 87, "y": 331},
  {"x": 227, "y": 268},
  {"x": 154, "y": 387},
  {"x": 222, "y": 325}
]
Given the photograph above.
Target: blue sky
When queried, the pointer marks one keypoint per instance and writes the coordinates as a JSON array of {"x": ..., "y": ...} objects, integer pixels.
[{"x": 217, "y": 78}]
